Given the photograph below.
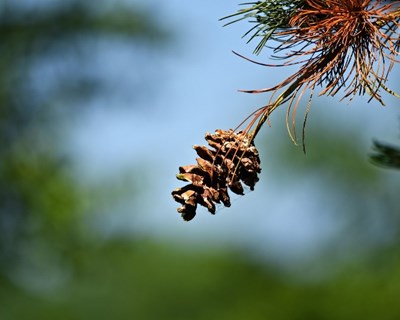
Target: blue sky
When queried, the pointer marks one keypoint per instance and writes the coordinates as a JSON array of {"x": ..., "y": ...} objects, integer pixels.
[{"x": 195, "y": 90}]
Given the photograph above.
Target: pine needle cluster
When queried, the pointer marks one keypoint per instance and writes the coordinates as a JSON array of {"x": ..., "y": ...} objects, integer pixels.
[{"x": 347, "y": 46}]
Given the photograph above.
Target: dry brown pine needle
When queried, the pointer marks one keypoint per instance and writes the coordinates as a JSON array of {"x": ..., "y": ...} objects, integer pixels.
[
  {"x": 230, "y": 160},
  {"x": 348, "y": 46}
]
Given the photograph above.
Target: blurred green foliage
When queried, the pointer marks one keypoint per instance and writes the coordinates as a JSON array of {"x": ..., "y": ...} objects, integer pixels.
[
  {"x": 149, "y": 281},
  {"x": 386, "y": 155},
  {"x": 52, "y": 267},
  {"x": 41, "y": 202}
]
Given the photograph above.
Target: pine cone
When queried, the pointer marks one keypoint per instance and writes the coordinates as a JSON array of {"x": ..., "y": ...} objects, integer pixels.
[{"x": 231, "y": 160}]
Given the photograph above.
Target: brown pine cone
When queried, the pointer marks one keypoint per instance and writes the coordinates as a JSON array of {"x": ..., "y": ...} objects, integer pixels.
[{"x": 231, "y": 160}]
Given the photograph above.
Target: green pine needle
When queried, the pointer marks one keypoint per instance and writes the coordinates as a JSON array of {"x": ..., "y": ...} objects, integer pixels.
[{"x": 270, "y": 16}]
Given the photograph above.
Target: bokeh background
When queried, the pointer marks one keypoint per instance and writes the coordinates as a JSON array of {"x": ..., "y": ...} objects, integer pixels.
[{"x": 100, "y": 103}]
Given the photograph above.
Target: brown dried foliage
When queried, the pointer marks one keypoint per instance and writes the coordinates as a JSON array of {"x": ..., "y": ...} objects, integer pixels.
[
  {"x": 231, "y": 159},
  {"x": 348, "y": 45}
]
